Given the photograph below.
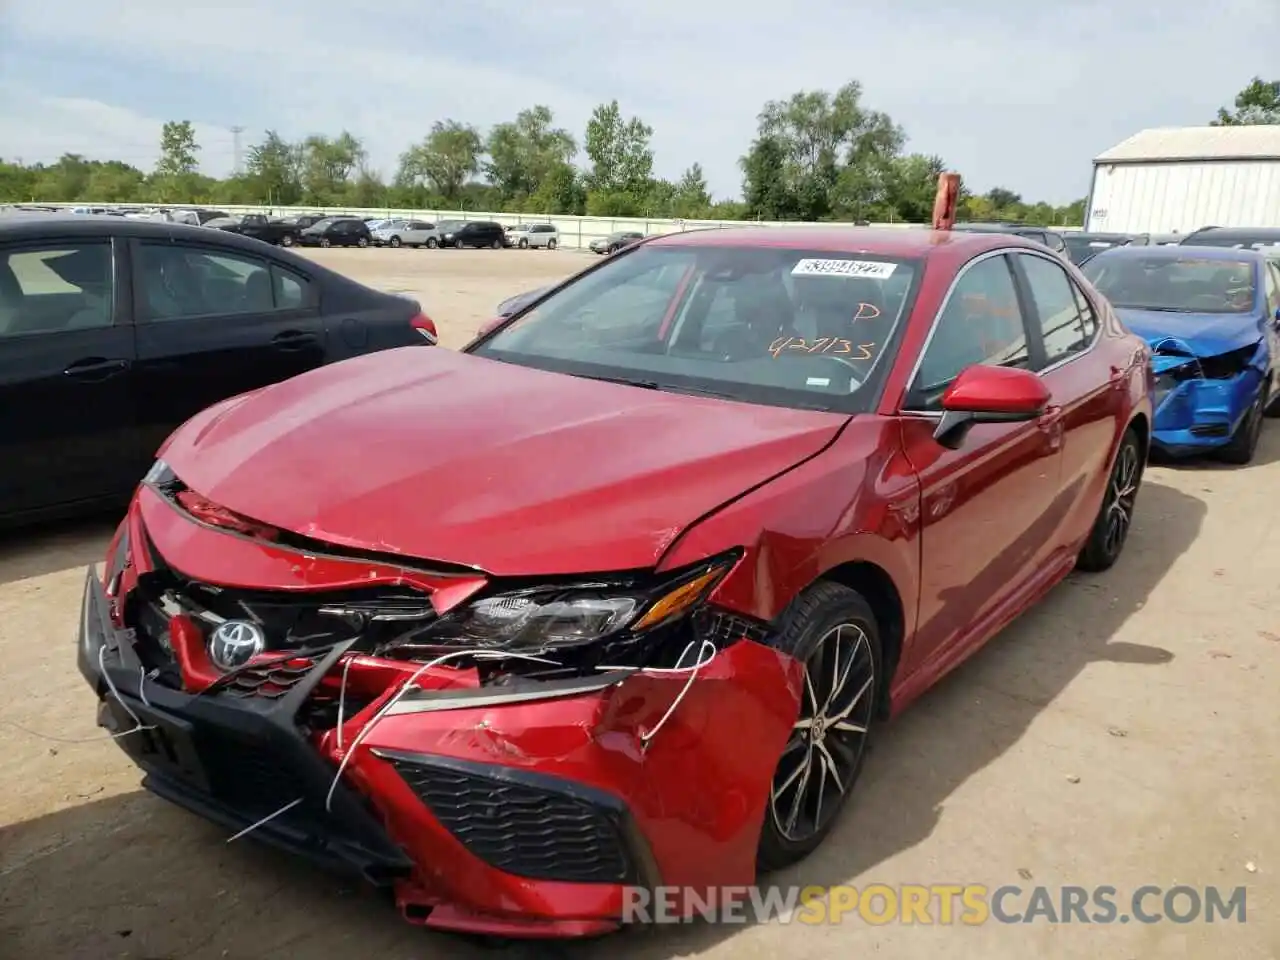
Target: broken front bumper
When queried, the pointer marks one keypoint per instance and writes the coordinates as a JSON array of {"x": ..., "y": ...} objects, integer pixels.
[
  {"x": 526, "y": 813},
  {"x": 1195, "y": 415}
]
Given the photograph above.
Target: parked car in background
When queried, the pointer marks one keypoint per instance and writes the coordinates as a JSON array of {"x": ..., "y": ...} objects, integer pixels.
[
  {"x": 1082, "y": 246},
  {"x": 1049, "y": 238},
  {"x": 114, "y": 331},
  {"x": 259, "y": 227},
  {"x": 196, "y": 217},
  {"x": 1211, "y": 317},
  {"x": 302, "y": 221},
  {"x": 407, "y": 233},
  {"x": 512, "y": 234},
  {"x": 336, "y": 232},
  {"x": 542, "y": 236},
  {"x": 731, "y": 494},
  {"x": 1248, "y": 238},
  {"x": 471, "y": 233},
  {"x": 517, "y": 303},
  {"x": 615, "y": 241}
]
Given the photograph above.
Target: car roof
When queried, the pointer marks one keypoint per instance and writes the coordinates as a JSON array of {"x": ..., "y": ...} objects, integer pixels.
[
  {"x": 885, "y": 241},
  {"x": 1239, "y": 233},
  {"x": 1180, "y": 252}
]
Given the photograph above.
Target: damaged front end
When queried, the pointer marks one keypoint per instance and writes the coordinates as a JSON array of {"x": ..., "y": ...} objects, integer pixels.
[
  {"x": 1201, "y": 400},
  {"x": 507, "y": 757}
]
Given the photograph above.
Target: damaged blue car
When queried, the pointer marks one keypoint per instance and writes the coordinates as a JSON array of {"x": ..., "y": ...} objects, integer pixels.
[{"x": 1212, "y": 318}]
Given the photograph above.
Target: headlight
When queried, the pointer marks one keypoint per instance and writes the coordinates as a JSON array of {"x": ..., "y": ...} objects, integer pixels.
[
  {"x": 160, "y": 474},
  {"x": 554, "y": 618},
  {"x": 448, "y": 236}
]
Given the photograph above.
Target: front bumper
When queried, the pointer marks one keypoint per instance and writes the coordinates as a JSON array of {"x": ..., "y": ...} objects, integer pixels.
[
  {"x": 1198, "y": 415},
  {"x": 511, "y": 814}
]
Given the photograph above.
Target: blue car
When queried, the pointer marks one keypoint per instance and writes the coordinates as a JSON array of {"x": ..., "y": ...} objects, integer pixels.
[{"x": 1212, "y": 318}]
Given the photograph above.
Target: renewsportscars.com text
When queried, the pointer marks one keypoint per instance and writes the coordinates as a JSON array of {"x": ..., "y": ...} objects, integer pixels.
[{"x": 936, "y": 904}]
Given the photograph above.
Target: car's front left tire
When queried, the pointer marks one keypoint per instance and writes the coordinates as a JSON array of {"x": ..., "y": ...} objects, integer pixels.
[
  {"x": 1111, "y": 527},
  {"x": 832, "y": 630}
]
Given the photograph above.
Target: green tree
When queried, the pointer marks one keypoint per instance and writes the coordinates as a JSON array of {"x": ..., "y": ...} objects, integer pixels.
[
  {"x": 525, "y": 152},
  {"x": 178, "y": 150},
  {"x": 274, "y": 167},
  {"x": 1258, "y": 103},
  {"x": 619, "y": 150},
  {"x": 326, "y": 165},
  {"x": 691, "y": 199},
  {"x": 766, "y": 191},
  {"x": 912, "y": 186},
  {"x": 445, "y": 160}
]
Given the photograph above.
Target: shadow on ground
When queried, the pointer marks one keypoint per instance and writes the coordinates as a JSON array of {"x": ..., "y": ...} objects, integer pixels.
[
  {"x": 35, "y": 551},
  {"x": 131, "y": 877}
]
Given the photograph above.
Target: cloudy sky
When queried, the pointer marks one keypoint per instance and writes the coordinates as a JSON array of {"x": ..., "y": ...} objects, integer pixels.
[{"x": 1011, "y": 94}]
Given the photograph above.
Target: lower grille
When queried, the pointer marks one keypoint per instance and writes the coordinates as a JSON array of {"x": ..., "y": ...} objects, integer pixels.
[
  {"x": 1210, "y": 430},
  {"x": 248, "y": 778},
  {"x": 529, "y": 829}
]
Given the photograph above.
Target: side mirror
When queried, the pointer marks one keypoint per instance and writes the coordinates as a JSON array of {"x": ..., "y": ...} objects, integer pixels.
[{"x": 985, "y": 394}]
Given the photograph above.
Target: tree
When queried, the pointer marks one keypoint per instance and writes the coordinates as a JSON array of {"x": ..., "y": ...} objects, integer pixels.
[
  {"x": 446, "y": 159},
  {"x": 619, "y": 150},
  {"x": 1258, "y": 103},
  {"x": 178, "y": 150},
  {"x": 526, "y": 152},
  {"x": 273, "y": 167},
  {"x": 326, "y": 166},
  {"x": 765, "y": 189},
  {"x": 912, "y": 186}
]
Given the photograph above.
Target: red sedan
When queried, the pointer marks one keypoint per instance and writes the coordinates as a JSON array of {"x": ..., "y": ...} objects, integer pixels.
[{"x": 614, "y": 598}]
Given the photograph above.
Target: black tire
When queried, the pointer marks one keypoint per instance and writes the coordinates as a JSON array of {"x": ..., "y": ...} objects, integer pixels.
[
  {"x": 1243, "y": 445},
  {"x": 288, "y": 240},
  {"x": 325, "y": 242},
  {"x": 431, "y": 243},
  {"x": 459, "y": 245},
  {"x": 393, "y": 242},
  {"x": 611, "y": 251},
  {"x": 496, "y": 245},
  {"x": 524, "y": 243},
  {"x": 362, "y": 242},
  {"x": 826, "y": 626},
  {"x": 1115, "y": 517},
  {"x": 1272, "y": 410},
  {"x": 551, "y": 244}
]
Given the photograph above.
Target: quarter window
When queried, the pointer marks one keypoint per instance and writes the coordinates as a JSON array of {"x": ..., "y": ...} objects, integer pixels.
[
  {"x": 1064, "y": 327},
  {"x": 1273, "y": 288},
  {"x": 980, "y": 324},
  {"x": 56, "y": 289},
  {"x": 183, "y": 282}
]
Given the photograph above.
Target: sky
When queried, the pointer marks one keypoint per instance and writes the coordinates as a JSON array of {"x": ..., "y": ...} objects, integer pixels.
[{"x": 1016, "y": 95}]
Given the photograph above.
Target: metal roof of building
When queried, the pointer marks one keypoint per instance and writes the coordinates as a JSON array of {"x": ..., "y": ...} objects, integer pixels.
[{"x": 1256, "y": 142}]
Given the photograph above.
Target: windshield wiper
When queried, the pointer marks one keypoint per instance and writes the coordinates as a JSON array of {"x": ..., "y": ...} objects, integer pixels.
[{"x": 625, "y": 381}]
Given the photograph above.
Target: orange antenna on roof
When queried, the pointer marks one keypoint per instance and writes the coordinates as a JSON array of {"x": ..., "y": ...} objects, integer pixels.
[{"x": 944, "y": 206}]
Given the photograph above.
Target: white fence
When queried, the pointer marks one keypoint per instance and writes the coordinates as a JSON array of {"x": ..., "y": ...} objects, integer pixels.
[{"x": 576, "y": 233}]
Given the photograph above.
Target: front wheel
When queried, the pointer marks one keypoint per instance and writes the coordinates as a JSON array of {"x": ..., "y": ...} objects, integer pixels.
[
  {"x": 524, "y": 244},
  {"x": 325, "y": 242},
  {"x": 1111, "y": 528},
  {"x": 393, "y": 242},
  {"x": 287, "y": 240},
  {"x": 496, "y": 245},
  {"x": 362, "y": 242},
  {"x": 431, "y": 243},
  {"x": 832, "y": 630},
  {"x": 1244, "y": 443},
  {"x": 551, "y": 244}
]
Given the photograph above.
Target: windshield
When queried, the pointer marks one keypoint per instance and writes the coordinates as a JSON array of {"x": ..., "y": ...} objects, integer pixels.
[
  {"x": 1176, "y": 285},
  {"x": 1080, "y": 249},
  {"x": 758, "y": 324},
  {"x": 324, "y": 224}
]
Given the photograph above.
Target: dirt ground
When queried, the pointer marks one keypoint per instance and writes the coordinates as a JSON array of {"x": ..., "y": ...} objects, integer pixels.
[{"x": 1122, "y": 734}]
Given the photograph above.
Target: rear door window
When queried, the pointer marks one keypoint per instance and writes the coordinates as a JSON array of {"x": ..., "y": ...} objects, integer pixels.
[{"x": 52, "y": 288}]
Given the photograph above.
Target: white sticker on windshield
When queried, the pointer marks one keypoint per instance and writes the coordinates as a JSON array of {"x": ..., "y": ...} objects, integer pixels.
[
  {"x": 818, "y": 382},
  {"x": 870, "y": 269}
]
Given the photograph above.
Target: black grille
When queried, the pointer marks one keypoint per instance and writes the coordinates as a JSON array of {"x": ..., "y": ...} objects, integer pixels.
[
  {"x": 248, "y": 778},
  {"x": 723, "y": 628},
  {"x": 1210, "y": 430},
  {"x": 529, "y": 830}
]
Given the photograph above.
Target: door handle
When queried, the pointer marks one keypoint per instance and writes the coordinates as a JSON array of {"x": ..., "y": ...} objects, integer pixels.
[
  {"x": 96, "y": 368},
  {"x": 1050, "y": 422},
  {"x": 293, "y": 340}
]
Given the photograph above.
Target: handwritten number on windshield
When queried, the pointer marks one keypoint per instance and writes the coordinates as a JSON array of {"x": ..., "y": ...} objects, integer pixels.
[
  {"x": 866, "y": 311},
  {"x": 834, "y": 346}
]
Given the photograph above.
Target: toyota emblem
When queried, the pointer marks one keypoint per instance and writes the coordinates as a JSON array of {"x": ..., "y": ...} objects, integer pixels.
[{"x": 235, "y": 642}]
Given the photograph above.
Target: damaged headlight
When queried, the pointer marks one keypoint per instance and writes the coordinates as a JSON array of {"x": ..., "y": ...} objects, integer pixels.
[
  {"x": 160, "y": 474},
  {"x": 550, "y": 618}
]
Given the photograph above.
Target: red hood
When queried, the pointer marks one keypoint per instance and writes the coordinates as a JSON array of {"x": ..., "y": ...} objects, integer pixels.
[{"x": 443, "y": 456}]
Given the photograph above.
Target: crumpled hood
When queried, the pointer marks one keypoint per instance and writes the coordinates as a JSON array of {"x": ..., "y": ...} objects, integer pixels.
[
  {"x": 1205, "y": 334},
  {"x": 443, "y": 456}
]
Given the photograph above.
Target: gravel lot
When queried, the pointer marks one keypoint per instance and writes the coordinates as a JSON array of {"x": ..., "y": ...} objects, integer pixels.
[{"x": 1123, "y": 734}]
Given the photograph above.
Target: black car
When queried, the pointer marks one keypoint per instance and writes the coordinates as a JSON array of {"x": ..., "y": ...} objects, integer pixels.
[
  {"x": 1249, "y": 238},
  {"x": 1049, "y": 238},
  {"x": 336, "y": 232},
  {"x": 1082, "y": 246},
  {"x": 260, "y": 228},
  {"x": 472, "y": 233},
  {"x": 113, "y": 332}
]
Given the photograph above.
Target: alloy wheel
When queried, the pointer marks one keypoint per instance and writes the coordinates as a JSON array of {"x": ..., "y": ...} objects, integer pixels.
[
  {"x": 827, "y": 742},
  {"x": 1123, "y": 494}
]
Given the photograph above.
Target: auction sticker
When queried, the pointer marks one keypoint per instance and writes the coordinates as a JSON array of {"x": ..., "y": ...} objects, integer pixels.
[{"x": 870, "y": 269}]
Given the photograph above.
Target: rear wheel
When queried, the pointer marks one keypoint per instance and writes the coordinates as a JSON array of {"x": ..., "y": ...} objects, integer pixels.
[
  {"x": 431, "y": 243},
  {"x": 393, "y": 242},
  {"x": 832, "y": 630},
  {"x": 1244, "y": 443},
  {"x": 1111, "y": 528},
  {"x": 287, "y": 240},
  {"x": 325, "y": 242},
  {"x": 551, "y": 244},
  {"x": 362, "y": 242}
]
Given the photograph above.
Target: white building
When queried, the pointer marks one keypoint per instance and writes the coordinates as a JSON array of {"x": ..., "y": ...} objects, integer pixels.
[{"x": 1178, "y": 179}]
